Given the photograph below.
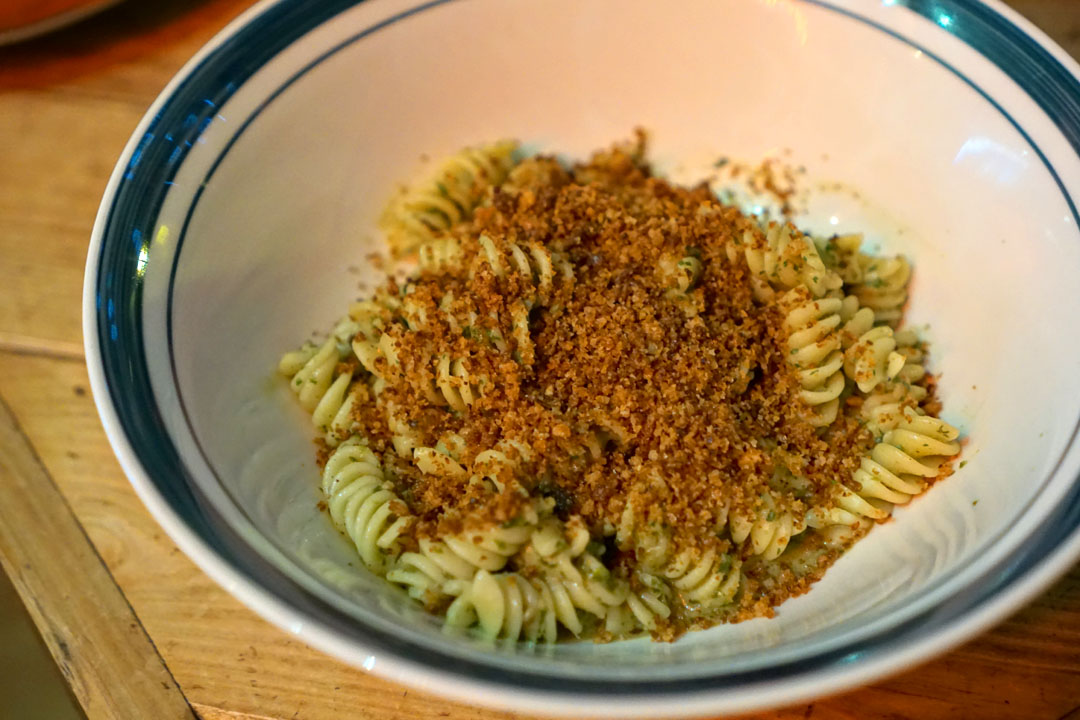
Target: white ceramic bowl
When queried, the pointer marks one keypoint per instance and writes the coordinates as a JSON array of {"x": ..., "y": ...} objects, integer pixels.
[{"x": 241, "y": 214}]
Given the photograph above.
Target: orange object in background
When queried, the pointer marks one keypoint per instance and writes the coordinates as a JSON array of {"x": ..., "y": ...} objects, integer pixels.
[{"x": 21, "y": 19}]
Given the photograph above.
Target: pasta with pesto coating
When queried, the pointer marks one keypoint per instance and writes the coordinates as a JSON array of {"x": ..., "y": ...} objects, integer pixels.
[
  {"x": 895, "y": 471},
  {"x": 815, "y": 351},
  {"x": 781, "y": 257},
  {"x": 592, "y": 404},
  {"x": 447, "y": 197},
  {"x": 363, "y": 505}
]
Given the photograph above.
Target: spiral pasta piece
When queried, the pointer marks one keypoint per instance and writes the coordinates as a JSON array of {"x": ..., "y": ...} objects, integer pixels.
[
  {"x": 554, "y": 544},
  {"x": 895, "y": 471},
  {"x": 815, "y": 352},
  {"x": 438, "y": 567},
  {"x": 524, "y": 350},
  {"x": 404, "y": 437},
  {"x": 883, "y": 287},
  {"x": 883, "y": 408},
  {"x": 312, "y": 371},
  {"x": 708, "y": 579},
  {"x": 643, "y": 607},
  {"x": 334, "y": 415},
  {"x": 452, "y": 384},
  {"x": 440, "y": 255},
  {"x": 423, "y": 578},
  {"x": 872, "y": 359},
  {"x": 487, "y": 549},
  {"x": 533, "y": 173},
  {"x": 587, "y": 583},
  {"x": 768, "y": 529},
  {"x": 363, "y": 505},
  {"x": 432, "y": 461},
  {"x": 782, "y": 257},
  {"x": 378, "y": 356},
  {"x": 372, "y": 319},
  {"x": 372, "y": 341},
  {"x": 446, "y": 198},
  {"x": 840, "y": 253},
  {"x": 649, "y": 538},
  {"x": 496, "y": 464},
  {"x": 457, "y": 386},
  {"x": 413, "y": 312},
  {"x": 323, "y": 385},
  {"x": 857, "y": 321},
  {"x": 502, "y": 604},
  {"x": 682, "y": 273},
  {"x": 530, "y": 260},
  {"x": 506, "y": 605},
  {"x": 879, "y": 283},
  {"x": 650, "y": 541},
  {"x": 908, "y": 345},
  {"x": 371, "y": 316}
]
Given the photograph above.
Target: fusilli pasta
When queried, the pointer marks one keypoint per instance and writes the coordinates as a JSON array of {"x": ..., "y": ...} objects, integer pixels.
[
  {"x": 769, "y": 529},
  {"x": 895, "y": 471},
  {"x": 785, "y": 258},
  {"x": 321, "y": 385},
  {"x": 879, "y": 283},
  {"x": 449, "y": 196},
  {"x": 815, "y": 351},
  {"x": 440, "y": 254},
  {"x": 872, "y": 359},
  {"x": 362, "y": 503},
  {"x": 530, "y": 260},
  {"x": 602, "y": 405}
]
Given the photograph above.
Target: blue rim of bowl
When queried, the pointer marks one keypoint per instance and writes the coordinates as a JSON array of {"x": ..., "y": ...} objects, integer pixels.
[{"x": 126, "y": 234}]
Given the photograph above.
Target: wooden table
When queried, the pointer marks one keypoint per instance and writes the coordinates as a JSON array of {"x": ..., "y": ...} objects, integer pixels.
[{"x": 139, "y": 631}]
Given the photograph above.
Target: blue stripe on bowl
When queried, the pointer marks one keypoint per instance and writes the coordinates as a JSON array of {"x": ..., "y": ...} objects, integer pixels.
[
  {"x": 131, "y": 220},
  {"x": 1033, "y": 67}
]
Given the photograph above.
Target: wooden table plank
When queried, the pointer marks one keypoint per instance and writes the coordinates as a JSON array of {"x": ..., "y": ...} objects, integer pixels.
[
  {"x": 90, "y": 629},
  {"x": 48, "y": 198},
  {"x": 89, "y": 86},
  {"x": 68, "y": 104},
  {"x": 1060, "y": 19}
]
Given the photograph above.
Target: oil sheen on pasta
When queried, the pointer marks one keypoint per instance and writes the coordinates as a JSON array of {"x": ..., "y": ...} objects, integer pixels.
[{"x": 604, "y": 405}]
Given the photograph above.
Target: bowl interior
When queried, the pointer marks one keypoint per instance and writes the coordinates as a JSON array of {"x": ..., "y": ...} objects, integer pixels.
[{"x": 904, "y": 132}]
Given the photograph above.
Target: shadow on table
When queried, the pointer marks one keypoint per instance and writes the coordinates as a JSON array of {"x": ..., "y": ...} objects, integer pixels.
[
  {"x": 126, "y": 32},
  {"x": 31, "y": 686}
]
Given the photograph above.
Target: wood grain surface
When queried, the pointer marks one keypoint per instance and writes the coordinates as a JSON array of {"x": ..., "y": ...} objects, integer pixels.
[{"x": 68, "y": 103}]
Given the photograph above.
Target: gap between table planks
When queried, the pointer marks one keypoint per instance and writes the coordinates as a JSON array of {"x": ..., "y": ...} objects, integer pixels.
[{"x": 227, "y": 662}]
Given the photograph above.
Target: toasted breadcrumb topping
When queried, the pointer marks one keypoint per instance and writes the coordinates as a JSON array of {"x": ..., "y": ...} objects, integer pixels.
[{"x": 632, "y": 382}]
